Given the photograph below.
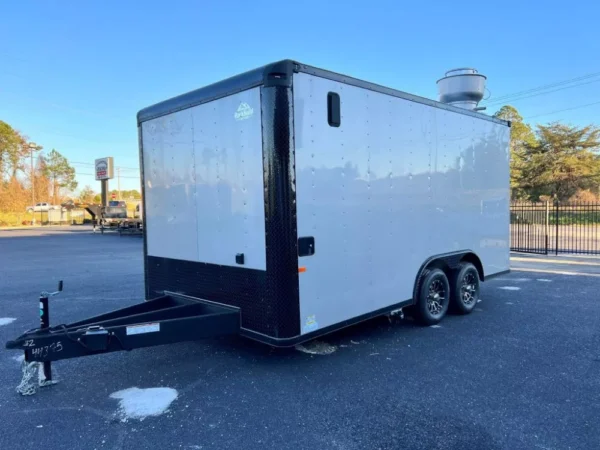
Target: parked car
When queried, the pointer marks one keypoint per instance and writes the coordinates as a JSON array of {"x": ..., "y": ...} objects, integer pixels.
[{"x": 41, "y": 207}]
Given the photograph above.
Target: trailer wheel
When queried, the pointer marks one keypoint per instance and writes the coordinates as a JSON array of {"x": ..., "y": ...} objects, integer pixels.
[
  {"x": 465, "y": 289},
  {"x": 433, "y": 297}
]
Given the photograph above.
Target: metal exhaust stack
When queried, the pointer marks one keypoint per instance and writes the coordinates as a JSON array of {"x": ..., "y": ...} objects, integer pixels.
[{"x": 463, "y": 88}]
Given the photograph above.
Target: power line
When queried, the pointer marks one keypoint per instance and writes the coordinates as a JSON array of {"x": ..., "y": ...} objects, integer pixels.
[
  {"x": 93, "y": 175},
  {"x": 546, "y": 86},
  {"x": 563, "y": 110},
  {"x": 91, "y": 164},
  {"x": 540, "y": 93},
  {"x": 54, "y": 133}
]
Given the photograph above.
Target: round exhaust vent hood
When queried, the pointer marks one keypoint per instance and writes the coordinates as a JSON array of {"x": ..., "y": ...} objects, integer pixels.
[{"x": 462, "y": 87}]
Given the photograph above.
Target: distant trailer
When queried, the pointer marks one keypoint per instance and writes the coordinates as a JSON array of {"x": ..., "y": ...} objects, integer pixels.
[
  {"x": 290, "y": 201},
  {"x": 131, "y": 226}
]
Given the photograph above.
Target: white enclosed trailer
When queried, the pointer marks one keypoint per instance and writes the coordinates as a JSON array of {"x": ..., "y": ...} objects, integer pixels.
[
  {"x": 311, "y": 200},
  {"x": 289, "y": 201}
]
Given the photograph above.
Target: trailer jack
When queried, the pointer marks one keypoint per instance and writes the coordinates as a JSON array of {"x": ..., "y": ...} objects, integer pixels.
[{"x": 166, "y": 319}]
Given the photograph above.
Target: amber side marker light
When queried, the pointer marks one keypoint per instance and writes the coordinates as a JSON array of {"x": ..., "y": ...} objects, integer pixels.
[{"x": 301, "y": 269}]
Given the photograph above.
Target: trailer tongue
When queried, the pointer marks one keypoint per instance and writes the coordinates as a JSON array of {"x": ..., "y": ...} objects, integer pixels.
[{"x": 167, "y": 319}]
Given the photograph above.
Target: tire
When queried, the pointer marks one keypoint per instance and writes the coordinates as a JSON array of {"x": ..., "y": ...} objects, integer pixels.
[
  {"x": 433, "y": 299},
  {"x": 464, "y": 289}
]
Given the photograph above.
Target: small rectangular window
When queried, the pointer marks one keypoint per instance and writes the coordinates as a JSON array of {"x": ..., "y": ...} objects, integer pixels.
[{"x": 333, "y": 109}]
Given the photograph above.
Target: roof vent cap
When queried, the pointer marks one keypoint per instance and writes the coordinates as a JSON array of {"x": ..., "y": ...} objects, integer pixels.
[{"x": 462, "y": 87}]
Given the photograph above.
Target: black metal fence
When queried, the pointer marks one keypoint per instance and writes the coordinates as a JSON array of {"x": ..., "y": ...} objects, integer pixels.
[{"x": 548, "y": 228}]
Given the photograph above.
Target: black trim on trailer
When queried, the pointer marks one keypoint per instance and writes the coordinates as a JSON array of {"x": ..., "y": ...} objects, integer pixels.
[
  {"x": 236, "y": 286},
  {"x": 497, "y": 274},
  {"x": 281, "y": 236},
  {"x": 298, "y": 339},
  {"x": 279, "y": 73}
]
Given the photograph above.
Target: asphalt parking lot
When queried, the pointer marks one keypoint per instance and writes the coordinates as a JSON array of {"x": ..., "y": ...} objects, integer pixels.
[{"x": 521, "y": 372}]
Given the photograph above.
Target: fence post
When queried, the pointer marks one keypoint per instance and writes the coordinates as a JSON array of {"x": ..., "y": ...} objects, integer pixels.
[
  {"x": 547, "y": 224},
  {"x": 556, "y": 219}
]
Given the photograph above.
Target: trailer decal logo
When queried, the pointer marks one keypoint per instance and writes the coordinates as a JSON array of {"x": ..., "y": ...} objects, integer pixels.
[
  {"x": 311, "y": 324},
  {"x": 243, "y": 112}
]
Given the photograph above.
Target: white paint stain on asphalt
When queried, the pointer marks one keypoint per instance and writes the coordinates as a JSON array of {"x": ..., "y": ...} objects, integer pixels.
[
  {"x": 435, "y": 326},
  {"x": 6, "y": 320},
  {"x": 19, "y": 358},
  {"x": 520, "y": 280},
  {"x": 544, "y": 280},
  {"x": 510, "y": 288},
  {"x": 316, "y": 348},
  {"x": 509, "y": 303},
  {"x": 135, "y": 403}
]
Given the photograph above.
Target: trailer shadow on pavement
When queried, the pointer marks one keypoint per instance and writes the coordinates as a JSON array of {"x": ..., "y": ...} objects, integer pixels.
[{"x": 520, "y": 372}]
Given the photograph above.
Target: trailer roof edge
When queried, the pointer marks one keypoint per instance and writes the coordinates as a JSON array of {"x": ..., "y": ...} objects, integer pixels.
[
  {"x": 214, "y": 91},
  {"x": 334, "y": 76},
  {"x": 279, "y": 73}
]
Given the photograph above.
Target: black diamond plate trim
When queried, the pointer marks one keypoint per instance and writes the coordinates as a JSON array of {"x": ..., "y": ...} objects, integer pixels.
[
  {"x": 234, "y": 286},
  {"x": 280, "y": 210}
]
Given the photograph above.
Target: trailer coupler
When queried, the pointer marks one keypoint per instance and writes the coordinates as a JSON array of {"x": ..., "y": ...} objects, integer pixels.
[{"x": 165, "y": 320}]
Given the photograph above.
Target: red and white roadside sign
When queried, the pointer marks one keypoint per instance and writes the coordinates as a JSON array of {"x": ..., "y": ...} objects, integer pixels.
[{"x": 104, "y": 168}]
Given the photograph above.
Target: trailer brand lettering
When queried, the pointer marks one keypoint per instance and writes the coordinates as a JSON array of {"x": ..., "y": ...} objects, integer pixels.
[
  {"x": 243, "y": 112},
  {"x": 141, "y": 329},
  {"x": 29, "y": 343}
]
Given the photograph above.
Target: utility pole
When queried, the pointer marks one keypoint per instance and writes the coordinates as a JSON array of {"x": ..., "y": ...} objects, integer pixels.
[
  {"x": 31, "y": 148},
  {"x": 119, "y": 182}
]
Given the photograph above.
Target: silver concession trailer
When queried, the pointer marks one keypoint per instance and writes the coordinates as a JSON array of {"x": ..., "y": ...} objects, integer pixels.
[{"x": 289, "y": 201}]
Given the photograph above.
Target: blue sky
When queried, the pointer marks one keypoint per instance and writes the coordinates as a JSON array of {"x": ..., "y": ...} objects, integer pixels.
[{"x": 74, "y": 74}]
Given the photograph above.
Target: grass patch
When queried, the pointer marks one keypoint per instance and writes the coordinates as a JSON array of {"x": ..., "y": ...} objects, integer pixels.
[{"x": 12, "y": 219}]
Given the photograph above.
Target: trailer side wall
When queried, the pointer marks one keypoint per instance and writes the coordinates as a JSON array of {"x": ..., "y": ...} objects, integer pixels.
[{"x": 397, "y": 182}]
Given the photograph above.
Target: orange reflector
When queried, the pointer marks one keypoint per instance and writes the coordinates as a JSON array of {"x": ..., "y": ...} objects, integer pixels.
[{"x": 301, "y": 269}]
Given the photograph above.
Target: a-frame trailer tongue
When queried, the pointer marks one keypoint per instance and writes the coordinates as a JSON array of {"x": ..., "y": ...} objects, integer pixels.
[{"x": 164, "y": 320}]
